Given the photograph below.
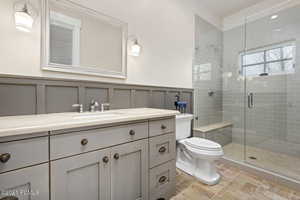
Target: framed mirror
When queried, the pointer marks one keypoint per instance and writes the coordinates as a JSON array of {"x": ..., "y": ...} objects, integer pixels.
[{"x": 77, "y": 39}]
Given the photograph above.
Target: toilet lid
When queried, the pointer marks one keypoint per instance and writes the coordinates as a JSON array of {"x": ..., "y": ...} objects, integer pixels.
[{"x": 203, "y": 144}]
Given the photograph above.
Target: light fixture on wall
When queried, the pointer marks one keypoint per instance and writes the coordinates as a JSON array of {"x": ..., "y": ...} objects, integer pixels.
[
  {"x": 24, "y": 16},
  {"x": 135, "y": 47}
]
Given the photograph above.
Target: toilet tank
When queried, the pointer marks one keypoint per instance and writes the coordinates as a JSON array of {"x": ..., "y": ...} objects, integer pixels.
[{"x": 183, "y": 126}]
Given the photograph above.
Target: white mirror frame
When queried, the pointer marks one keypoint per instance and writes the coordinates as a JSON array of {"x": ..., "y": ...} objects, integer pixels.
[{"x": 45, "y": 58}]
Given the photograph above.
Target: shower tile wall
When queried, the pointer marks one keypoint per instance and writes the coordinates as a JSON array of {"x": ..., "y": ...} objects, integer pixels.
[{"x": 207, "y": 73}]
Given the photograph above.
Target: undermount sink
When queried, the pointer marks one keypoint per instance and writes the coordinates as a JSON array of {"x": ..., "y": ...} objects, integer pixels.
[{"x": 96, "y": 115}]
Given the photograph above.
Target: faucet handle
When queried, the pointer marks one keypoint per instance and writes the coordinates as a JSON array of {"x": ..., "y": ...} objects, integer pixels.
[
  {"x": 103, "y": 105},
  {"x": 80, "y": 106}
]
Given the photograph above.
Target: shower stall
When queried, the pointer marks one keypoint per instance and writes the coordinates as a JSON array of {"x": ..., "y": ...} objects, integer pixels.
[{"x": 247, "y": 89}]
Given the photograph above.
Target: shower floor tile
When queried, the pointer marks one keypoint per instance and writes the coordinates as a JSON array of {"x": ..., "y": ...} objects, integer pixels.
[
  {"x": 236, "y": 184},
  {"x": 277, "y": 162}
]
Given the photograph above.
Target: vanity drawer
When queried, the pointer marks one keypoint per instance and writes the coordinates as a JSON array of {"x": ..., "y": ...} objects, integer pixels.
[
  {"x": 162, "y": 181},
  {"x": 162, "y": 149},
  {"x": 83, "y": 141},
  {"x": 160, "y": 127},
  {"x": 23, "y": 153}
]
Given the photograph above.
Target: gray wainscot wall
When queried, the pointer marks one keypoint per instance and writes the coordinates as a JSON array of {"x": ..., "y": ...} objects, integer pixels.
[{"x": 30, "y": 95}]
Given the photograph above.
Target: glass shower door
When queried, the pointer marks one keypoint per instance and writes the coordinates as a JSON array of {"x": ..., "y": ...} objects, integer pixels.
[{"x": 272, "y": 92}]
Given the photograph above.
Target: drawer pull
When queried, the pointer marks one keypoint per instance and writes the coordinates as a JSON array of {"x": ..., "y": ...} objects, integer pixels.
[
  {"x": 105, "y": 159},
  {"x": 161, "y": 199},
  {"x": 116, "y": 156},
  {"x": 162, "y": 179},
  {"x": 163, "y": 127},
  {"x": 84, "y": 142},
  {"x": 4, "y": 158},
  {"x": 132, "y": 132},
  {"x": 10, "y": 198},
  {"x": 162, "y": 150}
]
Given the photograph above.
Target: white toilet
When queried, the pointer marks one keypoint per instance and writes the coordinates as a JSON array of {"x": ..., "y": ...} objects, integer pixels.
[{"x": 196, "y": 156}]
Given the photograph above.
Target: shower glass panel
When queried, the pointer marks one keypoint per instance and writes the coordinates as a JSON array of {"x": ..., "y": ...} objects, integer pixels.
[
  {"x": 233, "y": 90},
  {"x": 207, "y": 73},
  {"x": 270, "y": 68},
  {"x": 248, "y": 77}
]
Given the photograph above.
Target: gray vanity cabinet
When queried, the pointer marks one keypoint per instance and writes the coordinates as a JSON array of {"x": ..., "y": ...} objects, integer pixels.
[
  {"x": 122, "y": 161},
  {"x": 129, "y": 171},
  {"x": 82, "y": 177},
  {"x": 25, "y": 184}
]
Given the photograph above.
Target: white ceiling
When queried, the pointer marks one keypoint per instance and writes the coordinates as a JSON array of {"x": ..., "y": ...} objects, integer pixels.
[{"x": 224, "y": 8}]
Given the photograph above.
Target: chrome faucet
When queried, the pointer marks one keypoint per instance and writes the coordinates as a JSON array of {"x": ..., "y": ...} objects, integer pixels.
[
  {"x": 103, "y": 105},
  {"x": 94, "y": 105},
  {"x": 80, "y": 106}
]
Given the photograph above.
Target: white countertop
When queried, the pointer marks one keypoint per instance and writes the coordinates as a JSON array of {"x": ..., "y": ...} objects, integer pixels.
[{"x": 27, "y": 124}]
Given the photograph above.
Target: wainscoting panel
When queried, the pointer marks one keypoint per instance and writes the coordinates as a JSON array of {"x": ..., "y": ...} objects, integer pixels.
[
  {"x": 142, "y": 99},
  {"x": 61, "y": 99},
  {"x": 121, "y": 99},
  {"x": 17, "y": 99},
  {"x": 158, "y": 99},
  {"x": 20, "y": 95}
]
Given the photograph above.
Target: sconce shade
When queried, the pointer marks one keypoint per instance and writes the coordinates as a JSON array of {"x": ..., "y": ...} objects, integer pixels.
[
  {"x": 23, "y": 20},
  {"x": 135, "y": 49}
]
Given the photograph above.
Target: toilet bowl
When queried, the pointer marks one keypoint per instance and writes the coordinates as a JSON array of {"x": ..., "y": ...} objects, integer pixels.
[{"x": 196, "y": 156}]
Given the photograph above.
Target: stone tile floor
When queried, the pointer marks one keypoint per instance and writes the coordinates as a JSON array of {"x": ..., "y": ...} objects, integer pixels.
[{"x": 236, "y": 184}]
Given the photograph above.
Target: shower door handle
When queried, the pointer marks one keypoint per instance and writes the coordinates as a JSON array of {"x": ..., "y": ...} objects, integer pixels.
[{"x": 250, "y": 100}]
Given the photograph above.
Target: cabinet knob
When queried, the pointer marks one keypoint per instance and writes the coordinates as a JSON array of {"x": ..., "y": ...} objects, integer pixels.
[
  {"x": 162, "y": 150},
  {"x": 10, "y": 198},
  {"x": 105, "y": 159},
  {"x": 132, "y": 132},
  {"x": 84, "y": 142},
  {"x": 4, "y": 158},
  {"x": 116, "y": 156},
  {"x": 162, "y": 179},
  {"x": 163, "y": 127}
]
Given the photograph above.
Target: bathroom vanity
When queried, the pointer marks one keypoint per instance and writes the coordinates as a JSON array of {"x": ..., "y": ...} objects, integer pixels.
[{"x": 119, "y": 155}]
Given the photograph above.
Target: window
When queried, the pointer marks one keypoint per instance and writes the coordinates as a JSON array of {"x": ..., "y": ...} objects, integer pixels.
[{"x": 271, "y": 60}]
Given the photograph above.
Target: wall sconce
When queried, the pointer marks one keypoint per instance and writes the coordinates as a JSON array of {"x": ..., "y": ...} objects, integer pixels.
[
  {"x": 135, "y": 48},
  {"x": 24, "y": 16}
]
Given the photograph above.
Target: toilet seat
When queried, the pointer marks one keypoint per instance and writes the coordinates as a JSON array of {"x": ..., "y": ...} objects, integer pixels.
[
  {"x": 203, "y": 144},
  {"x": 203, "y": 148}
]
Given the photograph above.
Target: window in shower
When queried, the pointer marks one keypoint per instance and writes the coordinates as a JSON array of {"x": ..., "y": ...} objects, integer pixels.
[{"x": 271, "y": 60}]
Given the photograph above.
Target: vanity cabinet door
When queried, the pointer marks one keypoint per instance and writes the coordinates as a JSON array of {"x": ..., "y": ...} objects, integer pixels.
[
  {"x": 30, "y": 183},
  {"x": 82, "y": 177},
  {"x": 129, "y": 171}
]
